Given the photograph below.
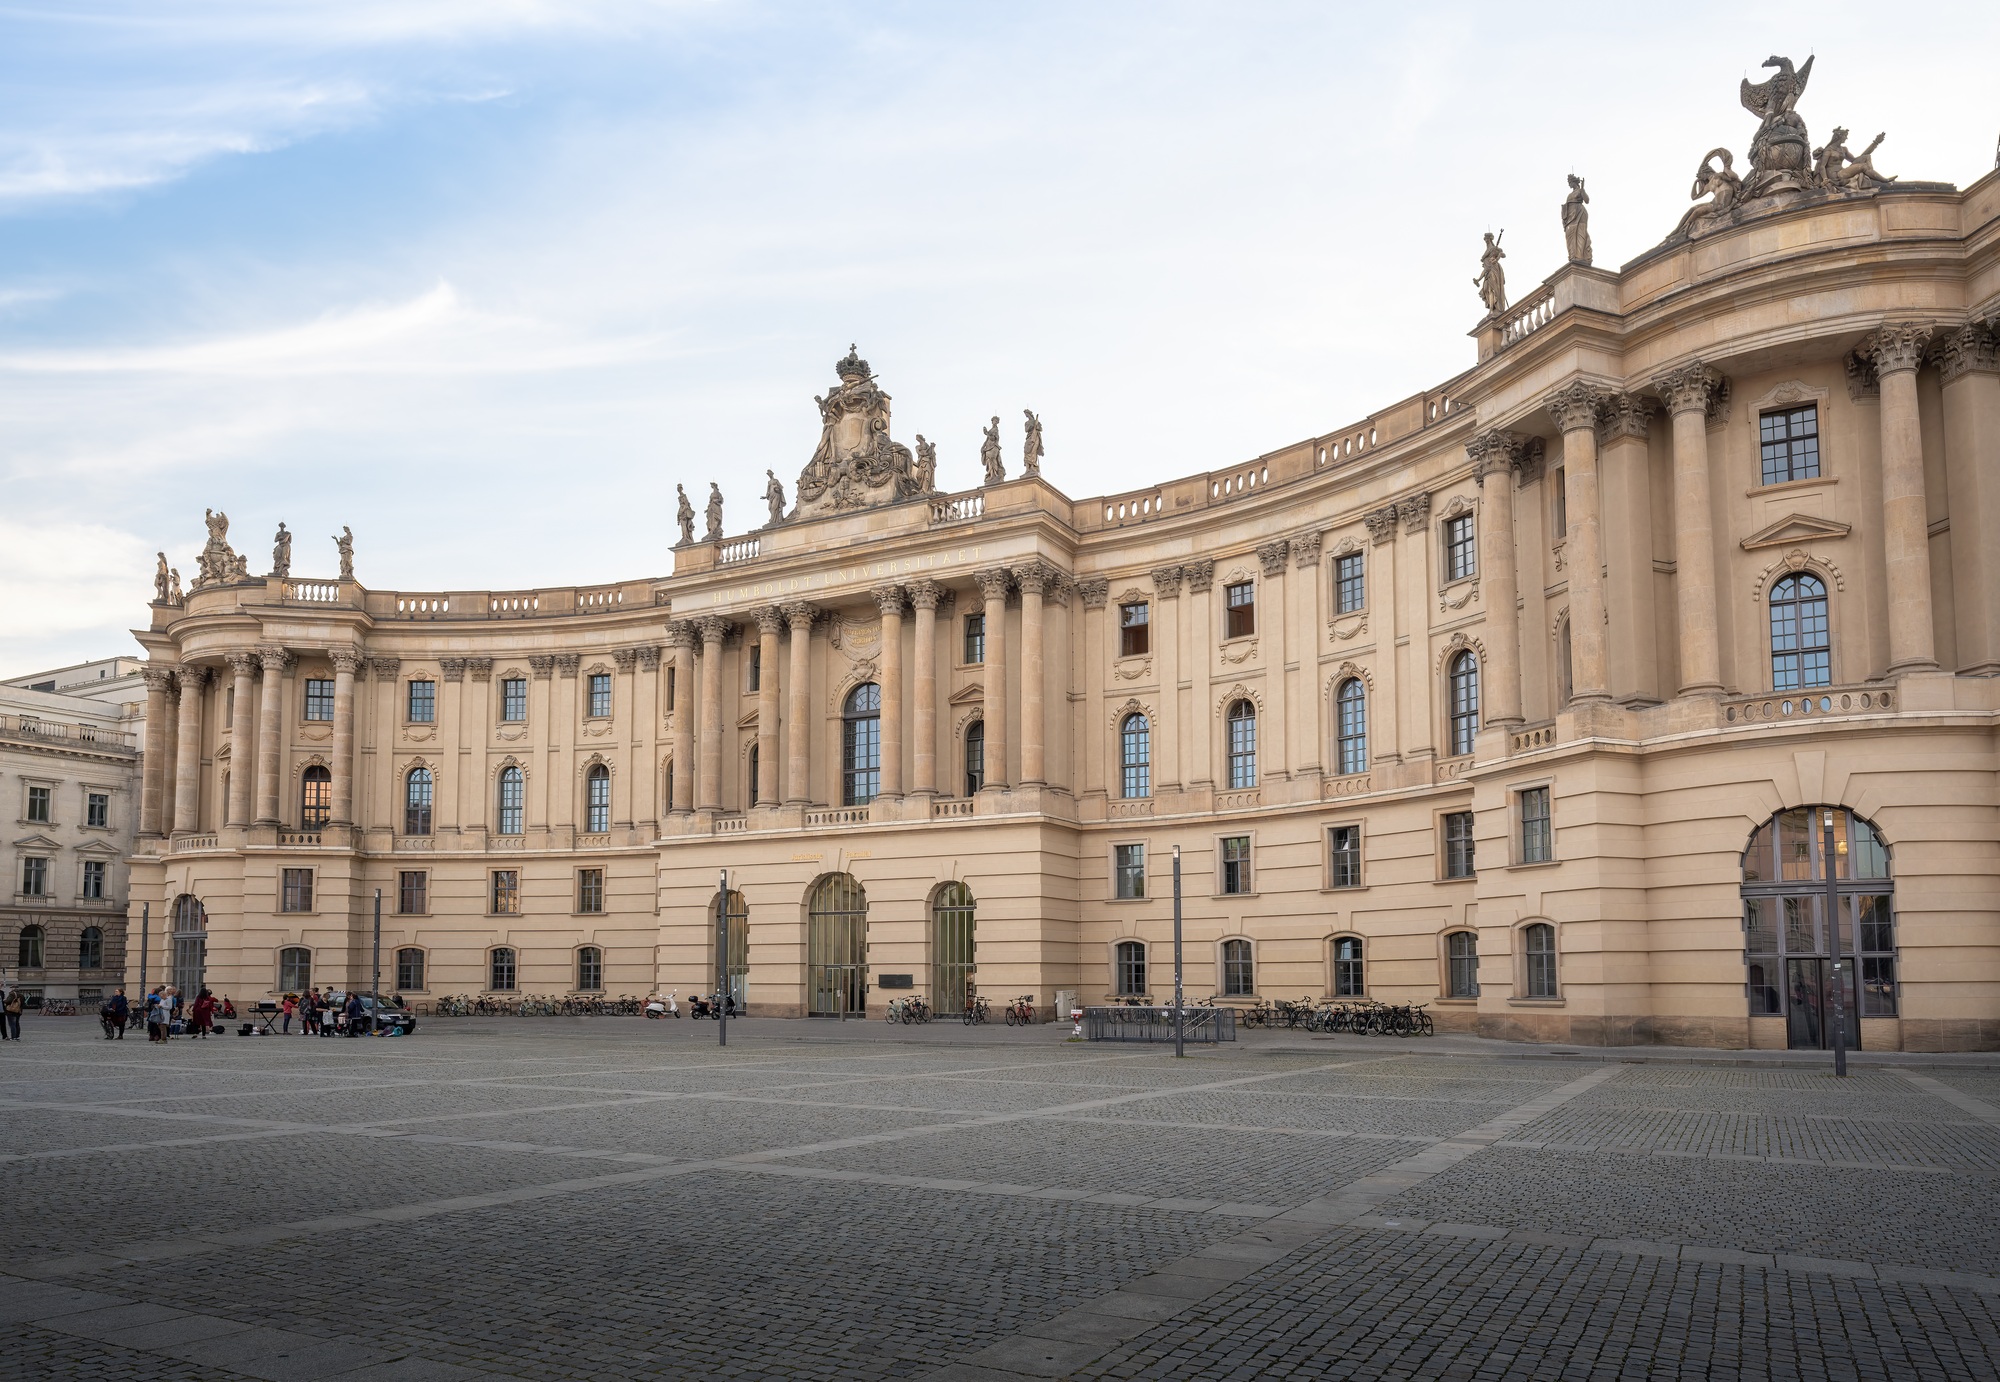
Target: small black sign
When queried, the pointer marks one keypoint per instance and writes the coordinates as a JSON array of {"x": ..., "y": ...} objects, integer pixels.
[{"x": 896, "y": 981}]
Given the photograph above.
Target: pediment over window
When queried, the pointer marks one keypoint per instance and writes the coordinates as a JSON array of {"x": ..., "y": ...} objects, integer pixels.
[
  {"x": 971, "y": 695},
  {"x": 748, "y": 721},
  {"x": 36, "y": 842},
  {"x": 97, "y": 849},
  {"x": 1796, "y": 528}
]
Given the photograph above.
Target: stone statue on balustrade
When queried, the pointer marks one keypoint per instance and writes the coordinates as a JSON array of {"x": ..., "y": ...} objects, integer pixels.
[
  {"x": 1576, "y": 222},
  {"x": 1031, "y": 449},
  {"x": 714, "y": 533},
  {"x": 174, "y": 593},
  {"x": 219, "y": 562},
  {"x": 1722, "y": 188},
  {"x": 160, "y": 581},
  {"x": 1492, "y": 280},
  {"x": 684, "y": 516},
  {"x": 1840, "y": 171},
  {"x": 774, "y": 496},
  {"x": 926, "y": 466},
  {"x": 857, "y": 464},
  {"x": 281, "y": 553},
  {"x": 989, "y": 454},
  {"x": 345, "y": 543}
]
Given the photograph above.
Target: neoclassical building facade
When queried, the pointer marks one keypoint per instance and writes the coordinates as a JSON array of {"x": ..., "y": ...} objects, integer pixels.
[{"x": 1543, "y": 698}]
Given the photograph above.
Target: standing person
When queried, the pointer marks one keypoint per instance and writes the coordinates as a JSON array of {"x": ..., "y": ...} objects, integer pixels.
[
  {"x": 11, "y": 1003},
  {"x": 355, "y": 1014},
  {"x": 156, "y": 1015},
  {"x": 115, "y": 1014},
  {"x": 309, "y": 1013},
  {"x": 202, "y": 1015},
  {"x": 288, "y": 1004},
  {"x": 172, "y": 997}
]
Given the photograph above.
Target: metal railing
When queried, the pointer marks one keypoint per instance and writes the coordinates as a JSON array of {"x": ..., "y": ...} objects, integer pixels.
[{"x": 1208, "y": 1026}]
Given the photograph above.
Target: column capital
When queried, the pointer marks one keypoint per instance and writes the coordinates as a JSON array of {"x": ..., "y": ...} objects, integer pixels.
[
  {"x": 1305, "y": 549},
  {"x": 771, "y": 620},
  {"x": 1964, "y": 350},
  {"x": 714, "y": 628},
  {"x": 242, "y": 661},
  {"x": 1271, "y": 555},
  {"x": 1625, "y": 415},
  {"x": 624, "y": 659},
  {"x": 649, "y": 657},
  {"x": 1166, "y": 582},
  {"x": 1036, "y": 577},
  {"x": 1895, "y": 347},
  {"x": 680, "y": 634},
  {"x": 1381, "y": 523},
  {"x": 800, "y": 614},
  {"x": 385, "y": 668},
  {"x": 273, "y": 657},
  {"x": 1415, "y": 512},
  {"x": 346, "y": 659},
  {"x": 1200, "y": 575},
  {"x": 453, "y": 668},
  {"x": 160, "y": 677},
  {"x": 567, "y": 663},
  {"x": 1574, "y": 406},
  {"x": 480, "y": 667},
  {"x": 1061, "y": 586},
  {"x": 889, "y": 599},
  {"x": 993, "y": 582},
  {"x": 1094, "y": 590},
  {"x": 191, "y": 676},
  {"x": 1691, "y": 388},
  {"x": 925, "y": 594},
  {"x": 541, "y": 666}
]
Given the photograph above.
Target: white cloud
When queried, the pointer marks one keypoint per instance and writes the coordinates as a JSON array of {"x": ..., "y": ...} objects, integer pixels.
[{"x": 61, "y": 579}]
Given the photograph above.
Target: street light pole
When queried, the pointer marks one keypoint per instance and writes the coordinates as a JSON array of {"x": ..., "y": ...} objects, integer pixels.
[
  {"x": 722, "y": 956},
  {"x": 375, "y": 980},
  {"x": 145, "y": 944},
  {"x": 1180, "y": 1030},
  {"x": 1833, "y": 927}
]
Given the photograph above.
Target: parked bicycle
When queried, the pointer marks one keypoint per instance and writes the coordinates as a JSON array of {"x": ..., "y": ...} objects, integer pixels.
[
  {"x": 1021, "y": 1012},
  {"x": 907, "y": 1010},
  {"x": 975, "y": 1010}
]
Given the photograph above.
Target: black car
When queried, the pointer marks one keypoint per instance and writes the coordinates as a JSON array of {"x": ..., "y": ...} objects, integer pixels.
[{"x": 389, "y": 1012}]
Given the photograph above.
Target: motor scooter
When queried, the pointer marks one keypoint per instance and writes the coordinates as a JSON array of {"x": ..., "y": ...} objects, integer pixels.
[{"x": 664, "y": 1007}]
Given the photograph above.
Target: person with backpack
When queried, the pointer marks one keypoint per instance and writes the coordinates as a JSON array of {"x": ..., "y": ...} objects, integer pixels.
[
  {"x": 157, "y": 1015},
  {"x": 11, "y": 1003}
]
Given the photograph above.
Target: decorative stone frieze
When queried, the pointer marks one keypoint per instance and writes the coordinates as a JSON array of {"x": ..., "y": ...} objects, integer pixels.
[
  {"x": 770, "y": 619},
  {"x": 925, "y": 594},
  {"x": 649, "y": 657},
  {"x": 541, "y": 666},
  {"x": 244, "y": 662},
  {"x": 624, "y": 659},
  {"x": 274, "y": 658},
  {"x": 1689, "y": 389},
  {"x": 567, "y": 663},
  {"x": 800, "y": 615},
  {"x": 713, "y": 628},
  {"x": 190, "y": 676},
  {"x": 1896, "y": 347},
  {"x": 889, "y": 599},
  {"x": 1966, "y": 350},
  {"x": 993, "y": 582}
]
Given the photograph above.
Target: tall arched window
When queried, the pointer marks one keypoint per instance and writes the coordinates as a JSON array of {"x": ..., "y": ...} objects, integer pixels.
[
  {"x": 1350, "y": 705},
  {"x": 190, "y": 943},
  {"x": 315, "y": 798},
  {"x": 1539, "y": 941},
  {"x": 32, "y": 938},
  {"x": 861, "y": 745},
  {"x": 951, "y": 948},
  {"x": 500, "y": 969},
  {"x": 1801, "y": 651},
  {"x": 597, "y": 800},
  {"x": 409, "y": 970},
  {"x": 837, "y": 946},
  {"x": 589, "y": 969},
  {"x": 512, "y": 796},
  {"x": 1349, "y": 979},
  {"x": 975, "y": 757},
  {"x": 1242, "y": 745},
  {"x": 1462, "y": 962},
  {"x": 1239, "y": 978},
  {"x": 90, "y": 949},
  {"x": 1135, "y": 752},
  {"x": 1463, "y": 684},
  {"x": 1128, "y": 965},
  {"x": 418, "y": 793},
  {"x": 295, "y": 968}
]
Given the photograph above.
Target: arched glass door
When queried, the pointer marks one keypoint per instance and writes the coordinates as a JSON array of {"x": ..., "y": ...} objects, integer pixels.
[
  {"x": 951, "y": 949},
  {"x": 190, "y": 944},
  {"x": 837, "y": 947},
  {"x": 1789, "y": 941}
]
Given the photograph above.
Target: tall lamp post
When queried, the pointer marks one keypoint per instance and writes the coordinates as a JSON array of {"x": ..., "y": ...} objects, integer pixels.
[
  {"x": 145, "y": 944},
  {"x": 722, "y": 956},
  {"x": 375, "y": 979},
  {"x": 1828, "y": 856},
  {"x": 1180, "y": 1031}
]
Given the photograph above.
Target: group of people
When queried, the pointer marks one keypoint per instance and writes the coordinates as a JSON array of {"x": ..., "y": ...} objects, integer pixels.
[{"x": 319, "y": 1013}]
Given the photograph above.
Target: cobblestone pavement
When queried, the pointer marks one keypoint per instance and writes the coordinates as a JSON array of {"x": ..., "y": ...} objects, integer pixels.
[{"x": 558, "y": 1198}]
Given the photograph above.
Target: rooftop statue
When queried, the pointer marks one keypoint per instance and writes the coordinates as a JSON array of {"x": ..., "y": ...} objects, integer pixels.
[
  {"x": 856, "y": 464},
  {"x": 1031, "y": 448},
  {"x": 281, "y": 553},
  {"x": 714, "y": 533},
  {"x": 926, "y": 465},
  {"x": 774, "y": 495},
  {"x": 160, "y": 586},
  {"x": 1576, "y": 221},
  {"x": 1720, "y": 185},
  {"x": 1839, "y": 170},
  {"x": 1780, "y": 152},
  {"x": 218, "y": 560},
  {"x": 989, "y": 453},
  {"x": 684, "y": 516},
  {"x": 345, "y": 544},
  {"x": 1492, "y": 280}
]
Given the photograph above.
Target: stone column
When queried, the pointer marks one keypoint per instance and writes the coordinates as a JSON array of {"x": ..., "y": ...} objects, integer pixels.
[
  {"x": 1165, "y": 623},
  {"x": 154, "y": 785},
  {"x": 467, "y": 789},
  {"x": 1575, "y": 409},
  {"x": 387, "y": 800},
  {"x": 1417, "y": 582},
  {"x": 798, "y": 759},
  {"x": 1896, "y": 351},
  {"x": 242, "y": 737},
  {"x": 993, "y": 585},
  {"x": 1385, "y": 743},
  {"x": 1274, "y": 752},
  {"x": 925, "y": 595},
  {"x": 1033, "y": 579},
  {"x": 270, "y": 729},
  {"x": 770, "y": 623},
  {"x": 680, "y": 640},
  {"x": 645, "y": 741},
  {"x": 1096, "y": 761},
  {"x": 346, "y": 662},
  {"x": 1969, "y": 359},
  {"x": 1688, "y": 391},
  {"x": 1625, "y": 482},
  {"x": 1494, "y": 457},
  {"x": 625, "y": 706},
  {"x": 1302, "y": 644},
  {"x": 708, "y": 791},
  {"x": 889, "y": 600},
  {"x": 187, "y": 750},
  {"x": 1197, "y": 656}
]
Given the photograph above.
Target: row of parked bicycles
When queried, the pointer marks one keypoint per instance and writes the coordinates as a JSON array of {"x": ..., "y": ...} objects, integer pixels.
[
  {"x": 1020, "y": 1012},
  {"x": 537, "y": 1005},
  {"x": 1331, "y": 1015}
]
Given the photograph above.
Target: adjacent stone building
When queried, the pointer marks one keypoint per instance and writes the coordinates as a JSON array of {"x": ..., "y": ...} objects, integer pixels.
[{"x": 1542, "y": 697}]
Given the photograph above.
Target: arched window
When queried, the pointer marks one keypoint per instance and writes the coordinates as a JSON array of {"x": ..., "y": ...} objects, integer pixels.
[
  {"x": 861, "y": 745},
  {"x": 90, "y": 948},
  {"x": 409, "y": 970},
  {"x": 975, "y": 757},
  {"x": 1463, "y": 682},
  {"x": 418, "y": 792},
  {"x": 315, "y": 798},
  {"x": 512, "y": 794},
  {"x": 755, "y": 761},
  {"x": 1350, "y": 705},
  {"x": 597, "y": 800},
  {"x": 1135, "y": 752},
  {"x": 500, "y": 969},
  {"x": 1238, "y": 974},
  {"x": 589, "y": 969},
  {"x": 951, "y": 949},
  {"x": 1462, "y": 960},
  {"x": 190, "y": 943},
  {"x": 1539, "y": 941},
  {"x": 837, "y": 946},
  {"x": 1128, "y": 964},
  {"x": 1801, "y": 651},
  {"x": 1242, "y": 746},
  {"x": 295, "y": 969},
  {"x": 32, "y": 938},
  {"x": 1349, "y": 979}
]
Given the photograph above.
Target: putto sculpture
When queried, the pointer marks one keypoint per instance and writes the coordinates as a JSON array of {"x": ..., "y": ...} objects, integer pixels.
[
  {"x": 1492, "y": 280},
  {"x": 989, "y": 453},
  {"x": 857, "y": 464},
  {"x": 1576, "y": 221}
]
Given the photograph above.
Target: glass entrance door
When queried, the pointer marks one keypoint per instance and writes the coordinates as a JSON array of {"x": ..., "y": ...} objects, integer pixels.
[
  {"x": 1809, "y": 1005},
  {"x": 837, "y": 948}
]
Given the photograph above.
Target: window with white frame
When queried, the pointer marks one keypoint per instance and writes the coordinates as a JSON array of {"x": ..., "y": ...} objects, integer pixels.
[
  {"x": 500, "y": 969},
  {"x": 319, "y": 698},
  {"x": 41, "y": 810},
  {"x": 1801, "y": 645},
  {"x": 422, "y": 702},
  {"x": 512, "y": 796},
  {"x": 597, "y": 800},
  {"x": 97, "y": 810},
  {"x": 1788, "y": 444},
  {"x": 296, "y": 891},
  {"x": 1456, "y": 827},
  {"x": 1462, "y": 685},
  {"x": 600, "y": 696},
  {"x": 590, "y": 890},
  {"x": 514, "y": 699},
  {"x": 34, "y": 875},
  {"x": 589, "y": 969},
  {"x": 94, "y": 871}
]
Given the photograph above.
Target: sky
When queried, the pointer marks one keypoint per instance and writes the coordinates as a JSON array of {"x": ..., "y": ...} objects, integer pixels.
[{"x": 484, "y": 279}]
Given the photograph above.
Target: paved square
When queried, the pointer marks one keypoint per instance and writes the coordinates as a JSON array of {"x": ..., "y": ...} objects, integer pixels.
[{"x": 563, "y": 1198}]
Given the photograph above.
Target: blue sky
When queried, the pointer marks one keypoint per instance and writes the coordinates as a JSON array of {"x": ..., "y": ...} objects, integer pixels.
[{"x": 484, "y": 279}]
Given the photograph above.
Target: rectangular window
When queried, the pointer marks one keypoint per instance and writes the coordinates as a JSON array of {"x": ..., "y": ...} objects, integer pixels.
[
  {"x": 590, "y": 890},
  {"x": 1789, "y": 443},
  {"x": 514, "y": 700},
  {"x": 506, "y": 892},
  {"x": 1462, "y": 956},
  {"x": 297, "y": 895},
  {"x": 1343, "y": 844},
  {"x": 1458, "y": 844},
  {"x": 93, "y": 879},
  {"x": 1349, "y": 978},
  {"x": 1135, "y": 635},
  {"x": 756, "y": 668},
  {"x": 1239, "y": 610},
  {"x": 1350, "y": 583},
  {"x": 1236, "y": 864},
  {"x": 413, "y": 897},
  {"x": 319, "y": 699},
  {"x": 1128, "y": 863},
  {"x": 34, "y": 876},
  {"x": 1460, "y": 561},
  {"x": 97, "y": 810},
  {"x": 600, "y": 695},
  {"x": 1239, "y": 976},
  {"x": 1537, "y": 842},
  {"x": 39, "y": 808},
  {"x": 409, "y": 970},
  {"x": 1559, "y": 503},
  {"x": 975, "y": 639},
  {"x": 423, "y": 702},
  {"x": 672, "y": 688}
]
